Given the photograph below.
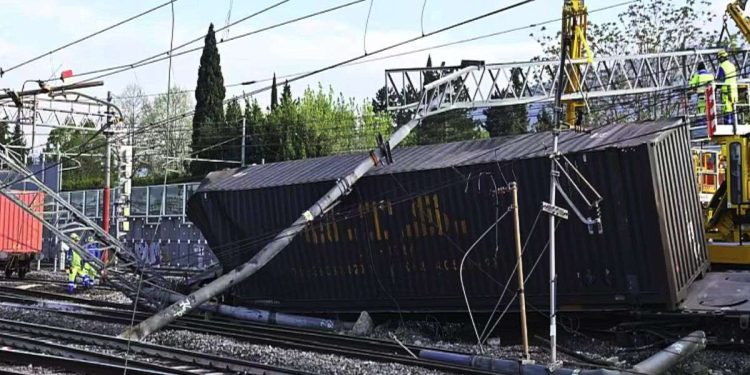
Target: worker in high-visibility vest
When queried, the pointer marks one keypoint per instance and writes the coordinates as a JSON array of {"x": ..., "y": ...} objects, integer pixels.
[
  {"x": 89, "y": 273},
  {"x": 727, "y": 75},
  {"x": 698, "y": 83},
  {"x": 74, "y": 265}
]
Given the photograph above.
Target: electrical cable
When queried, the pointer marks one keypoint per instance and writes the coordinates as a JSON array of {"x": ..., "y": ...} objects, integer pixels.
[
  {"x": 421, "y": 17},
  {"x": 169, "y": 52},
  {"x": 3, "y": 71},
  {"x": 180, "y": 116},
  {"x": 437, "y": 46},
  {"x": 461, "y": 274},
  {"x": 155, "y": 58},
  {"x": 367, "y": 22},
  {"x": 507, "y": 283},
  {"x": 525, "y": 280},
  {"x": 335, "y": 65}
]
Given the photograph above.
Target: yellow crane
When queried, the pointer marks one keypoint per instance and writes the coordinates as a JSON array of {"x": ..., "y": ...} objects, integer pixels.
[
  {"x": 735, "y": 10},
  {"x": 574, "y": 24},
  {"x": 728, "y": 211}
]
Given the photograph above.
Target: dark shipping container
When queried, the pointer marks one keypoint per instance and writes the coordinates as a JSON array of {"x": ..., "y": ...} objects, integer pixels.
[{"x": 396, "y": 242}]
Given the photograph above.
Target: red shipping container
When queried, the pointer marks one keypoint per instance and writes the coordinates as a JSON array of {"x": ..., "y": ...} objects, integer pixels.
[{"x": 20, "y": 232}]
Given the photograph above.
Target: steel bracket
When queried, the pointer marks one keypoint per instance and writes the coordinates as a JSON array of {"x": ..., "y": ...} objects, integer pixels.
[{"x": 555, "y": 210}]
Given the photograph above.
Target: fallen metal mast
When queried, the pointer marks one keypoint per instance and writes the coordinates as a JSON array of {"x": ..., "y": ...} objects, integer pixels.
[{"x": 432, "y": 101}]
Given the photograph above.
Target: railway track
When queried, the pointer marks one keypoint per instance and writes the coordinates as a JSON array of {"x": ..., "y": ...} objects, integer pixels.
[
  {"x": 258, "y": 333},
  {"x": 66, "y": 343},
  {"x": 63, "y": 284}
]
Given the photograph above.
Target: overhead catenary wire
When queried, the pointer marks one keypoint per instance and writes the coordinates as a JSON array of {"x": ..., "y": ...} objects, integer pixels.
[
  {"x": 159, "y": 57},
  {"x": 142, "y": 129},
  {"x": 367, "y": 23},
  {"x": 461, "y": 274},
  {"x": 423, "y": 49},
  {"x": 89, "y": 36},
  {"x": 336, "y": 65},
  {"x": 421, "y": 16},
  {"x": 234, "y": 98}
]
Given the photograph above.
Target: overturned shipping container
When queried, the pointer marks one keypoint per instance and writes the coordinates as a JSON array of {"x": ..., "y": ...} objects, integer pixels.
[{"x": 397, "y": 240}]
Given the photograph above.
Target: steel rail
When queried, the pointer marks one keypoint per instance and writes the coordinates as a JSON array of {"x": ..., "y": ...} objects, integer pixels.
[
  {"x": 162, "y": 353},
  {"x": 34, "y": 345},
  {"x": 266, "y": 334},
  {"x": 70, "y": 364}
]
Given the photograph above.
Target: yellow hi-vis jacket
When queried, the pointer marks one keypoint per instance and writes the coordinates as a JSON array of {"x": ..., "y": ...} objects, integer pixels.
[
  {"x": 727, "y": 75},
  {"x": 698, "y": 82}
]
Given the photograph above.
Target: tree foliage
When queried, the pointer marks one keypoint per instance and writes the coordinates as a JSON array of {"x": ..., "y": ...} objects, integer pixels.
[
  {"x": 648, "y": 26},
  {"x": 508, "y": 119},
  {"x": 209, "y": 103},
  {"x": 161, "y": 144},
  {"x": 86, "y": 171},
  {"x": 17, "y": 142},
  {"x": 318, "y": 123}
]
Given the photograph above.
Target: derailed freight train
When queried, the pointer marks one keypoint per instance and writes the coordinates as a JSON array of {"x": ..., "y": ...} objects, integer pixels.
[{"x": 397, "y": 240}]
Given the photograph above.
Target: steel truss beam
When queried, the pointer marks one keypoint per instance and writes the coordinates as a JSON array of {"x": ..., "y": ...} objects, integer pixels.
[
  {"x": 63, "y": 219},
  {"x": 63, "y": 110},
  {"x": 491, "y": 85}
]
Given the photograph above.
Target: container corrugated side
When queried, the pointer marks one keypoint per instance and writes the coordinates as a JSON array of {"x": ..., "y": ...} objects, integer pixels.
[
  {"x": 20, "y": 232},
  {"x": 681, "y": 220},
  {"x": 396, "y": 242}
]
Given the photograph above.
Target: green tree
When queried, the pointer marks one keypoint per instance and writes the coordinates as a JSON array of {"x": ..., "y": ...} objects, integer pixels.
[
  {"x": 380, "y": 105},
  {"x": 274, "y": 93},
  {"x": 86, "y": 171},
  {"x": 508, "y": 119},
  {"x": 209, "y": 103},
  {"x": 17, "y": 142},
  {"x": 255, "y": 149},
  {"x": 4, "y": 134},
  {"x": 455, "y": 125},
  {"x": 648, "y": 26},
  {"x": 544, "y": 120},
  {"x": 232, "y": 131},
  {"x": 158, "y": 143}
]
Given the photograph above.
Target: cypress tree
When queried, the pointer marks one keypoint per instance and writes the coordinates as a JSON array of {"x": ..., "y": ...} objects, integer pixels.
[
  {"x": 274, "y": 94},
  {"x": 286, "y": 94},
  {"x": 209, "y": 104},
  {"x": 509, "y": 119},
  {"x": 455, "y": 125},
  {"x": 18, "y": 139},
  {"x": 4, "y": 136},
  {"x": 232, "y": 150}
]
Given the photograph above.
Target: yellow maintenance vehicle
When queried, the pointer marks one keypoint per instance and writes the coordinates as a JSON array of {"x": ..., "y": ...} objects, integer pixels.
[{"x": 728, "y": 212}]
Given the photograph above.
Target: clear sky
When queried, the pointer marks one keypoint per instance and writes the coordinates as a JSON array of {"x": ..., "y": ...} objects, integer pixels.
[{"x": 34, "y": 27}]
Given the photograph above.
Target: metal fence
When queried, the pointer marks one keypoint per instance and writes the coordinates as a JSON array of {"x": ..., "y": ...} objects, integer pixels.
[{"x": 161, "y": 235}]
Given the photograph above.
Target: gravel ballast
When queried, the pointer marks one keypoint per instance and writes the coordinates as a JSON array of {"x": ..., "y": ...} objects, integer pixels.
[
  {"x": 443, "y": 336},
  {"x": 312, "y": 362}
]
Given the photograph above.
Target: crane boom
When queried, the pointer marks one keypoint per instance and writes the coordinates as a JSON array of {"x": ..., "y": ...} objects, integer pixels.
[
  {"x": 574, "y": 25},
  {"x": 735, "y": 10}
]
